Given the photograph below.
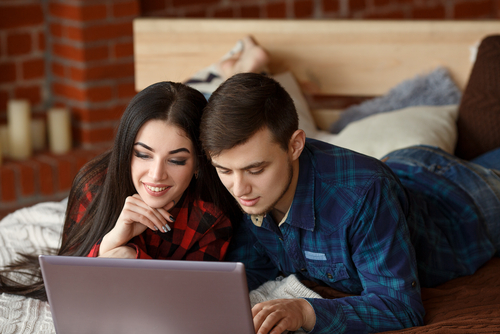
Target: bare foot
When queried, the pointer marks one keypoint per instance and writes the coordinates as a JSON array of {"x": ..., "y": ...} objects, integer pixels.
[{"x": 252, "y": 58}]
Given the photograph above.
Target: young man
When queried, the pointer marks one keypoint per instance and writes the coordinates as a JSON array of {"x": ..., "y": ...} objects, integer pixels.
[{"x": 375, "y": 230}]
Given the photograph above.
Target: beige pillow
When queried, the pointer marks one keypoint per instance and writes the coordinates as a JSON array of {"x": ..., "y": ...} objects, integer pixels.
[{"x": 382, "y": 133}]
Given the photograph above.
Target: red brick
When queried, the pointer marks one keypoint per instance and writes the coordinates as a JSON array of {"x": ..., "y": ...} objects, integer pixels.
[
  {"x": 476, "y": 9},
  {"x": 24, "y": 15},
  {"x": 130, "y": 8},
  {"x": 124, "y": 49},
  {"x": 27, "y": 178},
  {"x": 355, "y": 5},
  {"x": 97, "y": 135},
  {"x": 65, "y": 172},
  {"x": 80, "y": 54},
  {"x": 380, "y": 3},
  {"x": 18, "y": 44},
  {"x": 68, "y": 91},
  {"x": 303, "y": 8},
  {"x": 227, "y": 12},
  {"x": 96, "y": 53},
  {"x": 100, "y": 32},
  {"x": 99, "y": 94},
  {"x": 57, "y": 30},
  {"x": 32, "y": 93},
  {"x": 67, "y": 51},
  {"x": 199, "y": 13},
  {"x": 330, "y": 6},
  {"x": 126, "y": 90},
  {"x": 435, "y": 12},
  {"x": 82, "y": 157},
  {"x": 392, "y": 15},
  {"x": 276, "y": 10},
  {"x": 46, "y": 176},
  {"x": 101, "y": 72},
  {"x": 4, "y": 97},
  {"x": 186, "y": 3},
  {"x": 250, "y": 12},
  {"x": 7, "y": 72},
  {"x": 148, "y": 6},
  {"x": 87, "y": 115},
  {"x": 78, "y": 13},
  {"x": 33, "y": 69},
  {"x": 8, "y": 183},
  {"x": 58, "y": 70}
]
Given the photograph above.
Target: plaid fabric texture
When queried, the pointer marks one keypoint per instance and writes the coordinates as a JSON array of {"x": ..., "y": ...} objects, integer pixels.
[
  {"x": 201, "y": 232},
  {"x": 350, "y": 227}
]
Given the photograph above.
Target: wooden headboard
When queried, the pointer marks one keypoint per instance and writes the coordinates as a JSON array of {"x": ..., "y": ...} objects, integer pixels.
[{"x": 328, "y": 57}]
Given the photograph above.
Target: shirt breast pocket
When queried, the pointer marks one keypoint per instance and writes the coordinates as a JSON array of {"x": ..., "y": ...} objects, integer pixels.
[{"x": 328, "y": 272}]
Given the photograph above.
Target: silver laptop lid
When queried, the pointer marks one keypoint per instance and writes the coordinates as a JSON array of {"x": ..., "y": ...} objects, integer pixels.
[{"x": 126, "y": 296}]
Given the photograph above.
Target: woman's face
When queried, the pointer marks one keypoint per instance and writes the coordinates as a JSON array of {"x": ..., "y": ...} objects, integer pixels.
[{"x": 163, "y": 163}]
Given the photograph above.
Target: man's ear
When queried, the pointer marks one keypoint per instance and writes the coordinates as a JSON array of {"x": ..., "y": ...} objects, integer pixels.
[{"x": 297, "y": 143}]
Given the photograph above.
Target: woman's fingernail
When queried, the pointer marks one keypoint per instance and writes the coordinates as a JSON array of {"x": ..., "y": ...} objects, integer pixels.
[
  {"x": 167, "y": 228},
  {"x": 156, "y": 228},
  {"x": 172, "y": 219}
]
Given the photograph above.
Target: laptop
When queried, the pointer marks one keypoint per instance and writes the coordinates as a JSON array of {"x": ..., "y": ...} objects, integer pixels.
[{"x": 128, "y": 296}]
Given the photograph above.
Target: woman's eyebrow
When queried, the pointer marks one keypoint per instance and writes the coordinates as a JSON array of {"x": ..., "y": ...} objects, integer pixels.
[
  {"x": 145, "y": 146},
  {"x": 182, "y": 149}
]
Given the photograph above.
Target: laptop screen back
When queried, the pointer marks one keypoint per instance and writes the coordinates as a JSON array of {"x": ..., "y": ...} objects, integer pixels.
[{"x": 126, "y": 296}]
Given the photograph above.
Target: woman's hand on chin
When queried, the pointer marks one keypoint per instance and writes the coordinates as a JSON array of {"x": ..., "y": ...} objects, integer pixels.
[{"x": 135, "y": 218}]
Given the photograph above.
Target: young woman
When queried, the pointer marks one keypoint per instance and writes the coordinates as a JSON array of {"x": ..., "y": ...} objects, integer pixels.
[{"x": 153, "y": 195}]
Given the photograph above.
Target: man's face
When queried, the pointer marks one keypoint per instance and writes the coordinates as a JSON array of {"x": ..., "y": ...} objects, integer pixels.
[{"x": 258, "y": 174}]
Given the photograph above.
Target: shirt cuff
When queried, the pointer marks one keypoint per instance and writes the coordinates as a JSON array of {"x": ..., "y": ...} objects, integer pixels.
[
  {"x": 139, "y": 253},
  {"x": 329, "y": 317}
]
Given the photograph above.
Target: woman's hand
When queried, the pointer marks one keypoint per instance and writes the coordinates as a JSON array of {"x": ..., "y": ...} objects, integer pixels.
[{"x": 135, "y": 218}]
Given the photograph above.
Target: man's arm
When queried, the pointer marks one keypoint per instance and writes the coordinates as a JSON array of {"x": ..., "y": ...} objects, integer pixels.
[{"x": 381, "y": 250}]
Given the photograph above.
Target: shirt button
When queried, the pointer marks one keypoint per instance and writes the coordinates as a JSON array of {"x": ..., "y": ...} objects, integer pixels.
[
  {"x": 281, "y": 239},
  {"x": 413, "y": 284},
  {"x": 330, "y": 276},
  {"x": 303, "y": 269}
]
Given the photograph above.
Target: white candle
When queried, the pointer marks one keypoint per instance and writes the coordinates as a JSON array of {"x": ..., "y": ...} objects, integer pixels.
[
  {"x": 19, "y": 120},
  {"x": 4, "y": 139},
  {"x": 59, "y": 129},
  {"x": 38, "y": 134}
]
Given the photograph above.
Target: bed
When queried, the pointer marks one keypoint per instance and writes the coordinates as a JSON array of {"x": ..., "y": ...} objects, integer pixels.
[{"x": 329, "y": 67}]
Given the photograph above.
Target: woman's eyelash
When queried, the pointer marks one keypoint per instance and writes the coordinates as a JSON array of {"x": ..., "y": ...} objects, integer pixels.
[
  {"x": 145, "y": 156},
  {"x": 178, "y": 162},
  {"x": 140, "y": 155}
]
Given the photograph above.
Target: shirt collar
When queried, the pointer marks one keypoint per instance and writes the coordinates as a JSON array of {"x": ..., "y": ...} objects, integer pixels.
[{"x": 301, "y": 212}]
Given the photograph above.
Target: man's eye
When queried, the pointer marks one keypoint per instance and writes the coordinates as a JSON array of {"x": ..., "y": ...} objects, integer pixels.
[
  {"x": 255, "y": 172},
  {"x": 222, "y": 171}
]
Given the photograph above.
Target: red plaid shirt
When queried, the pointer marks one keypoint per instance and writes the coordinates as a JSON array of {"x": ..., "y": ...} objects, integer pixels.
[{"x": 201, "y": 232}]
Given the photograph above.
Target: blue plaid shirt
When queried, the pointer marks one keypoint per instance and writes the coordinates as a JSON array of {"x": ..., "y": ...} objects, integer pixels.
[{"x": 350, "y": 227}]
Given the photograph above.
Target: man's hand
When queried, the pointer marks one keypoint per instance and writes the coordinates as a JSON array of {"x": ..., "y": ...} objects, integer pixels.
[{"x": 279, "y": 315}]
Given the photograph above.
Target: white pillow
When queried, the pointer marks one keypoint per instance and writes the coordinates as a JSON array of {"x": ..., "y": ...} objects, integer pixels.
[
  {"x": 306, "y": 120},
  {"x": 382, "y": 133}
]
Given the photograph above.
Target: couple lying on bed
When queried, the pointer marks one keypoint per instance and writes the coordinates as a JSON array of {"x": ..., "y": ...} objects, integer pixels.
[{"x": 375, "y": 230}]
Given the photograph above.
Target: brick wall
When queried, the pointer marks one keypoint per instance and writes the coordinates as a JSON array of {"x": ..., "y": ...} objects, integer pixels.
[
  {"x": 79, "y": 54},
  {"x": 324, "y": 9}
]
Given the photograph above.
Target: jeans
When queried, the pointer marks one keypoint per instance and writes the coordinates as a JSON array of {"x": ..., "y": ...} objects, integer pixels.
[{"x": 480, "y": 178}]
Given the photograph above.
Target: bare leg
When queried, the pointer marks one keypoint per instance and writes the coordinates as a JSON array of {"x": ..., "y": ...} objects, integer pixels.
[{"x": 252, "y": 58}]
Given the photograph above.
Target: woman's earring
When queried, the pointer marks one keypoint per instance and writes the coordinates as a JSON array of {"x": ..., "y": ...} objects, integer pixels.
[{"x": 196, "y": 175}]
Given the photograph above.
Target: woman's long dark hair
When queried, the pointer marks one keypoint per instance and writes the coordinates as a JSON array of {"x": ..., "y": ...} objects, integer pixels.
[{"x": 108, "y": 177}]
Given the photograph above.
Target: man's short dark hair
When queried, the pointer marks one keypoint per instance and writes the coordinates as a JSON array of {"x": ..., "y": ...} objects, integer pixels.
[{"x": 243, "y": 105}]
